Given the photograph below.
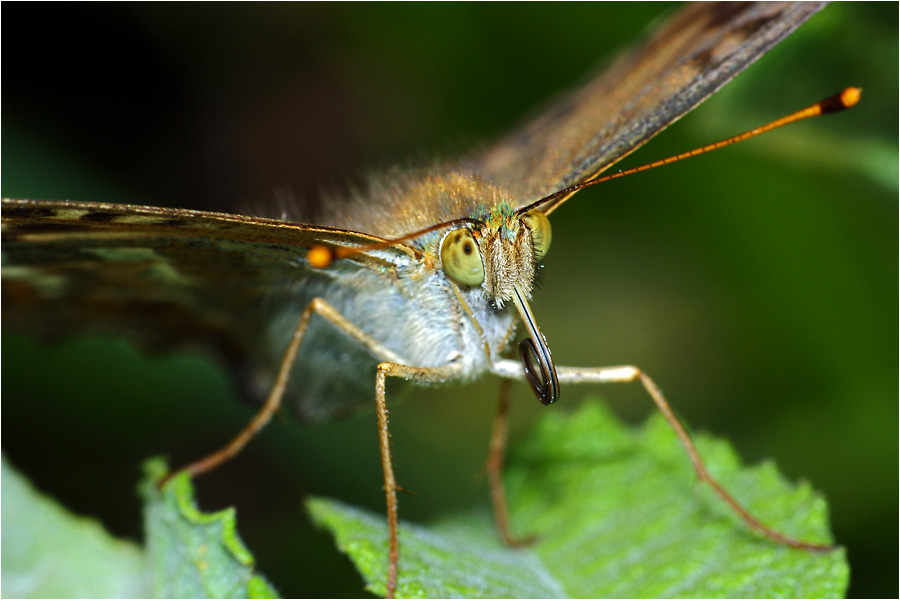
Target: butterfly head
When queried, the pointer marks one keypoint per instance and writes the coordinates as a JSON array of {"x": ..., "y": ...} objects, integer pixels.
[{"x": 499, "y": 254}]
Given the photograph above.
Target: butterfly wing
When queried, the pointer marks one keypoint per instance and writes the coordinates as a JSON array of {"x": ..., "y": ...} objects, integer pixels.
[
  {"x": 640, "y": 94},
  {"x": 169, "y": 277},
  {"x": 221, "y": 282}
]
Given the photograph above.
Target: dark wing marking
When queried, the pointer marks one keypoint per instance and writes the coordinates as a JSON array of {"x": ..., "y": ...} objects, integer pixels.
[
  {"x": 169, "y": 277},
  {"x": 645, "y": 90}
]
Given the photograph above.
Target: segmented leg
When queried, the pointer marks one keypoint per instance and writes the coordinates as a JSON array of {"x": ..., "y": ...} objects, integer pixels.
[
  {"x": 625, "y": 374},
  {"x": 390, "y": 369},
  {"x": 494, "y": 467},
  {"x": 276, "y": 394}
]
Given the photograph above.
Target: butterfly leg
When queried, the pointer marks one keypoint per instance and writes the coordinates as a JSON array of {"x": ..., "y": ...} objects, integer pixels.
[
  {"x": 261, "y": 419},
  {"x": 422, "y": 374},
  {"x": 273, "y": 400},
  {"x": 391, "y": 366},
  {"x": 494, "y": 468},
  {"x": 626, "y": 374}
]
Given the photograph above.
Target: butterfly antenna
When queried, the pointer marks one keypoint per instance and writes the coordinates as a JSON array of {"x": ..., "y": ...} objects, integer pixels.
[
  {"x": 321, "y": 256},
  {"x": 842, "y": 101}
]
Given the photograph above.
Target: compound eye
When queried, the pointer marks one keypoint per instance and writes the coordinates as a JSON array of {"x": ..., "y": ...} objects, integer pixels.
[
  {"x": 539, "y": 225},
  {"x": 461, "y": 258}
]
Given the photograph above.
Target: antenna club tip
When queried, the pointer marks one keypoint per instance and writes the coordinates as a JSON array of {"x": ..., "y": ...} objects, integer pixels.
[
  {"x": 319, "y": 256},
  {"x": 850, "y": 96},
  {"x": 842, "y": 101}
]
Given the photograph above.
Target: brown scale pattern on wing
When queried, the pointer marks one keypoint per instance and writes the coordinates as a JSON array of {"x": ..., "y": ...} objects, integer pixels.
[
  {"x": 639, "y": 95},
  {"x": 168, "y": 278}
]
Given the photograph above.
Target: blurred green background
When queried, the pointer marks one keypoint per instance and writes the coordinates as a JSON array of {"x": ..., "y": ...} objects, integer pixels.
[{"x": 756, "y": 285}]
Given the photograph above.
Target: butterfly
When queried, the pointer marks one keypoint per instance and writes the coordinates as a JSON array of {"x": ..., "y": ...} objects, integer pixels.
[{"x": 157, "y": 272}]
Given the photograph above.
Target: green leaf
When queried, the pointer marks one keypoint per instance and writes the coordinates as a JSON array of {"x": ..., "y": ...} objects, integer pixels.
[
  {"x": 617, "y": 513},
  {"x": 49, "y": 552},
  {"x": 193, "y": 554}
]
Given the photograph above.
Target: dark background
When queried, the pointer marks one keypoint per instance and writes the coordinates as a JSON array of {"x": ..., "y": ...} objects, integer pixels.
[{"x": 757, "y": 286}]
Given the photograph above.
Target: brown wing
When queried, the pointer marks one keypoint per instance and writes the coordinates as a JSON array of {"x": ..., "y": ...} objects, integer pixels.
[
  {"x": 168, "y": 277},
  {"x": 645, "y": 90}
]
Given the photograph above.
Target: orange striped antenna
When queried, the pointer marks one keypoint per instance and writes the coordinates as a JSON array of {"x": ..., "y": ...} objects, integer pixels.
[
  {"x": 848, "y": 98},
  {"x": 321, "y": 256}
]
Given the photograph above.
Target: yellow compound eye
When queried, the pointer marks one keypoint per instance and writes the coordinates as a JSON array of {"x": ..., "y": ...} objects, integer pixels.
[
  {"x": 539, "y": 225},
  {"x": 461, "y": 258}
]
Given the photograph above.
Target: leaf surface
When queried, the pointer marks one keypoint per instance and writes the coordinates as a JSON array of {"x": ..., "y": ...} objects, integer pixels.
[
  {"x": 193, "y": 554},
  {"x": 50, "y": 552},
  {"x": 616, "y": 513}
]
